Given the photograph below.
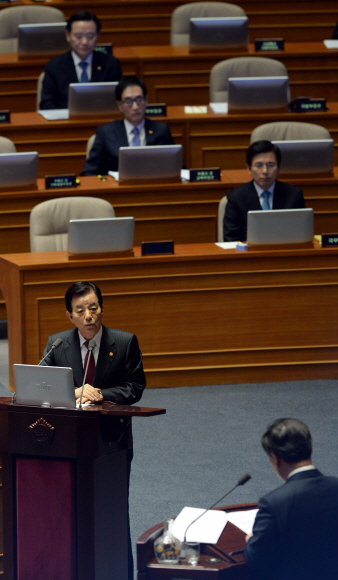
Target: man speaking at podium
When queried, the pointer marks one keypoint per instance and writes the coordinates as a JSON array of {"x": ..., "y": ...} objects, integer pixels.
[{"x": 295, "y": 534}]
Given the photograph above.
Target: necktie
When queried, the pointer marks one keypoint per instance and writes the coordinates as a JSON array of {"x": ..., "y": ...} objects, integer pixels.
[
  {"x": 84, "y": 77},
  {"x": 265, "y": 204},
  {"x": 91, "y": 365},
  {"x": 136, "y": 140}
]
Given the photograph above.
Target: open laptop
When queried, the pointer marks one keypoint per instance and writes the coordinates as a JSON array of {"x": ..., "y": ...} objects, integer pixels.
[
  {"x": 42, "y": 39},
  {"x": 99, "y": 235},
  {"x": 256, "y": 93},
  {"x": 150, "y": 162},
  {"x": 43, "y": 385},
  {"x": 307, "y": 156},
  {"x": 18, "y": 169},
  {"x": 90, "y": 99},
  {"x": 280, "y": 226},
  {"x": 219, "y": 33}
]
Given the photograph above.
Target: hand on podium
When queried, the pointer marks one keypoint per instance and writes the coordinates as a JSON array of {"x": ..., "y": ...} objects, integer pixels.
[{"x": 90, "y": 394}]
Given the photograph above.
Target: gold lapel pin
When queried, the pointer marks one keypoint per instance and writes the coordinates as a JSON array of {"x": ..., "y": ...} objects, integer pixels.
[
  {"x": 151, "y": 132},
  {"x": 111, "y": 354},
  {"x": 98, "y": 68}
]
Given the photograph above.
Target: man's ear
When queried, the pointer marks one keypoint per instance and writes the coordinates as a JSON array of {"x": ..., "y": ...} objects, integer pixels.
[
  {"x": 69, "y": 315},
  {"x": 248, "y": 167}
]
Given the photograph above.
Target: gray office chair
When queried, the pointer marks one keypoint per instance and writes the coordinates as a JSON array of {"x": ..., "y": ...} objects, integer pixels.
[
  {"x": 289, "y": 131},
  {"x": 179, "y": 28},
  {"x": 90, "y": 144},
  {"x": 6, "y": 145},
  {"x": 220, "y": 216},
  {"x": 11, "y": 17},
  {"x": 39, "y": 89},
  {"x": 242, "y": 66},
  {"x": 49, "y": 220}
]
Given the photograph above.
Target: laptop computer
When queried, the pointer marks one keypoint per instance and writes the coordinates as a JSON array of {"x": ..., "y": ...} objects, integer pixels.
[
  {"x": 100, "y": 235},
  {"x": 18, "y": 169},
  {"x": 150, "y": 162},
  {"x": 307, "y": 156},
  {"x": 255, "y": 93},
  {"x": 44, "y": 386},
  {"x": 90, "y": 99},
  {"x": 280, "y": 226},
  {"x": 42, "y": 39},
  {"x": 222, "y": 33}
]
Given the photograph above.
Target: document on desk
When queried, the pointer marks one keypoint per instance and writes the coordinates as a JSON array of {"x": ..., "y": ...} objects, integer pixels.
[
  {"x": 331, "y": 43},
  {"x": 54, "y": 114},
  {"x": 244, "y": 520},
  {"x": 220, "y": 108},
  {"x": 206, "y": 530},
  {"x": 185, "y": 174}
]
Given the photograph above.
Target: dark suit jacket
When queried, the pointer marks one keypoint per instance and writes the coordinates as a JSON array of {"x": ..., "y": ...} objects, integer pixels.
[
  {"x": 60, "y": 72},
  {"x": 295, "y": 531},
  {"x": 245, "y": 198},
  {"x": 111, "y": 136},
  {"x": 119, "y": 375}
]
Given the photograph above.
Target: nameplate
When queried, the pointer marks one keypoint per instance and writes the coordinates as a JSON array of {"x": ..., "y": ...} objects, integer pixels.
[
  {"x": 329, "y": 240},
  {"x": 307, "y": 105},
  {"x": 5, "y": 116},
  {"x": 160, "y": 247},
  {"x": 267, "y": 44},
  {"x": 205, "y": 174},
  {"x": 106, "y": 48},
  {"x": 60, "y": 181},
  {"x": 157, "y": 110}
]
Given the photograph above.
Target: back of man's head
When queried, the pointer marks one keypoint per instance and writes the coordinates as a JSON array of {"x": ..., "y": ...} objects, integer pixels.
[
  {"x": 83, "y": 16},
  {"x": 129, "y": 81},
  {"x": 258, "y": 147},
  {"x": 289, "y": 439}
]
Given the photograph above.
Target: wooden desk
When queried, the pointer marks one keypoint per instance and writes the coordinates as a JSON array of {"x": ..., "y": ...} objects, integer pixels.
[
  {"x": 199, "y": 314},
  {"x": 232, "y": 539},
  {"x": 176, "y": 77}
]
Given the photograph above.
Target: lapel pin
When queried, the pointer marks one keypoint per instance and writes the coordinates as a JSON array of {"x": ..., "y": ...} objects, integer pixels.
[
  {"x": 111, "y": 354},
  {"x": 151, "y": 132},
  {"x": 98, "y": 68}
]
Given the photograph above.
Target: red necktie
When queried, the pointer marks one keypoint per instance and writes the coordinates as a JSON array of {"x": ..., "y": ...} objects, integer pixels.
[{"x": 91, "y": 365}]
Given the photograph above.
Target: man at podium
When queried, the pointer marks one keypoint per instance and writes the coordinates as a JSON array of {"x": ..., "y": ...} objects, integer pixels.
[{"x": 295, "y": 534}]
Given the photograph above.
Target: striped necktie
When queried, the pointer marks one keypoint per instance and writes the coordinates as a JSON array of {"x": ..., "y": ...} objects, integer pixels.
[
  {"x": 136, "y": 140},
  {"x": 84, "y": 77},
  {"x": 265, "y": 204},
  {"x": 91, "y": 365}
]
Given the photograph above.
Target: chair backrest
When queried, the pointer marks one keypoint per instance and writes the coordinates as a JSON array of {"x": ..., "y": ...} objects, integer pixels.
[
  {"x": 49, "y": 220},
  {"x": 90, "y": 144},
  {"x": 6, "y": 145},
  {"x": 11, "y": 17},
  {"x": 39, "y": 89},
  {"x": 289, "y": 131},
  {"x": 220, "y": 216},
  {"x": 180, "y": 18},
  {"x": 242, "y": 66}
]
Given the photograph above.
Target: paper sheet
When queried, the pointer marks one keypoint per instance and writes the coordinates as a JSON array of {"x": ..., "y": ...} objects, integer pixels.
[
  {"x": 244, "y": 520},
  {"x": 54, "y": 114},
  {"x": 185, "y": 174},
  {"x": 190, "y": 110},
  {"x": 207, "y": 529},
  {"x": 330, "y": 43},
  {"x": 219, "y": 108},
  {"x": 227, "y": 245}
]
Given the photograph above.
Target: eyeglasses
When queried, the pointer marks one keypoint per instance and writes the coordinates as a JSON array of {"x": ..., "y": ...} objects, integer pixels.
[
  {"x": 129, "y": 102},
  {"x": 270, "y": 165}
]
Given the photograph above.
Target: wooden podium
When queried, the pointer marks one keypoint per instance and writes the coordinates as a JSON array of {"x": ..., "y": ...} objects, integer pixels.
[{"x": 65, "y": 490}]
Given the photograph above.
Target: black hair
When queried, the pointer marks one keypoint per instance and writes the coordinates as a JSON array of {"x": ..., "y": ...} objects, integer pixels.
[
  {"x": 88, "y": 16},
  {"x": 80, "y": 289},
  {"x": 129, "y": 81},
  {"x": 262, "y": 146},
  {"x": 289, "y": 439}
]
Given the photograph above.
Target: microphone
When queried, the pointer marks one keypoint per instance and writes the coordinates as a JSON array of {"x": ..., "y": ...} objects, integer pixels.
[
  {"x": 55, "y": 345},
  {"x": 91, "y": 346},
  {"x": 242, "y": 480}
]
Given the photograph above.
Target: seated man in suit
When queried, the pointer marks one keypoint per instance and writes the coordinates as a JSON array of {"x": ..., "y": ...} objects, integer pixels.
[
  {"x": 295, "y": 534},
  {"x": 80, "y": 64},
  {"x": 263, "y": 160},
  {"x": 133, "y": 129}
]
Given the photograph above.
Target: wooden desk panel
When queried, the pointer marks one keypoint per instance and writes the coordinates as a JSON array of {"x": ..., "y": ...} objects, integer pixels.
[{"x": 197, "y": 314}]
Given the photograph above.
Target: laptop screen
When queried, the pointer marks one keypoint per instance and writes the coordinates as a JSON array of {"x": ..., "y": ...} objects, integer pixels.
[
  {"x": 219, "y": 33},
  {"x": 42, "y": 39},
  {"x": 43, "y": 385},
  {"x": 249, "y": 93},
  {"x": 90, "y": 99},
  {"x": 18, "y": 169},
  {"x": 150, "y": 162},
  {"x": 280, "y": 226},
  {"x": 307, "y": 156},
  {"x": 95, "y": 236}
]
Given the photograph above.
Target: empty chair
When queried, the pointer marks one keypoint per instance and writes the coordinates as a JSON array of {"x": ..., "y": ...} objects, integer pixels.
[
  {"x": 90, "y": 144},
  {"x": 10, "y": 18},
  {"x": 6, "y": 145},
  {"x": 242, "y": 66},
  {"x": 39, "y": 89},
  {"x": 289, "y": 131},
  {"x": 49, "y": 220},
  {"x": 180, "y": 18},
  {"x": 220, "y": 217}
]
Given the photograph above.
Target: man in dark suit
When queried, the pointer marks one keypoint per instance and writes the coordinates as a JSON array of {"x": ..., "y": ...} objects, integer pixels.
[
  {"x": 263, "y": 192},
  {"x": 81, "y": 64},
  {"x": 295, "y": 534},
  {"x": 131, "y": 96}
]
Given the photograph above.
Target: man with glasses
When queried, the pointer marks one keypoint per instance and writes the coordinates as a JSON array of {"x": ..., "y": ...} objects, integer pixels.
[
  {"x": 133, "y": 130},
  {"x": 264, "y": 192}
]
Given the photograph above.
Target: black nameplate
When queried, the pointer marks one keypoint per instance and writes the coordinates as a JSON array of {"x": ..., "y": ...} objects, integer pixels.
[
  {"x": 106, "y": 48},
  {"x": 205, "y": 174},
  {"x": 307, "y": 105},
  {"x": 266, "y": 44},
  {"x": 329, "y": 240},
  {"x": 160, "y": 247},
  {"x": 5, "y": 116},
  {"x": 60, "y": 181},
  {"x": 157, "y": 110}
]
